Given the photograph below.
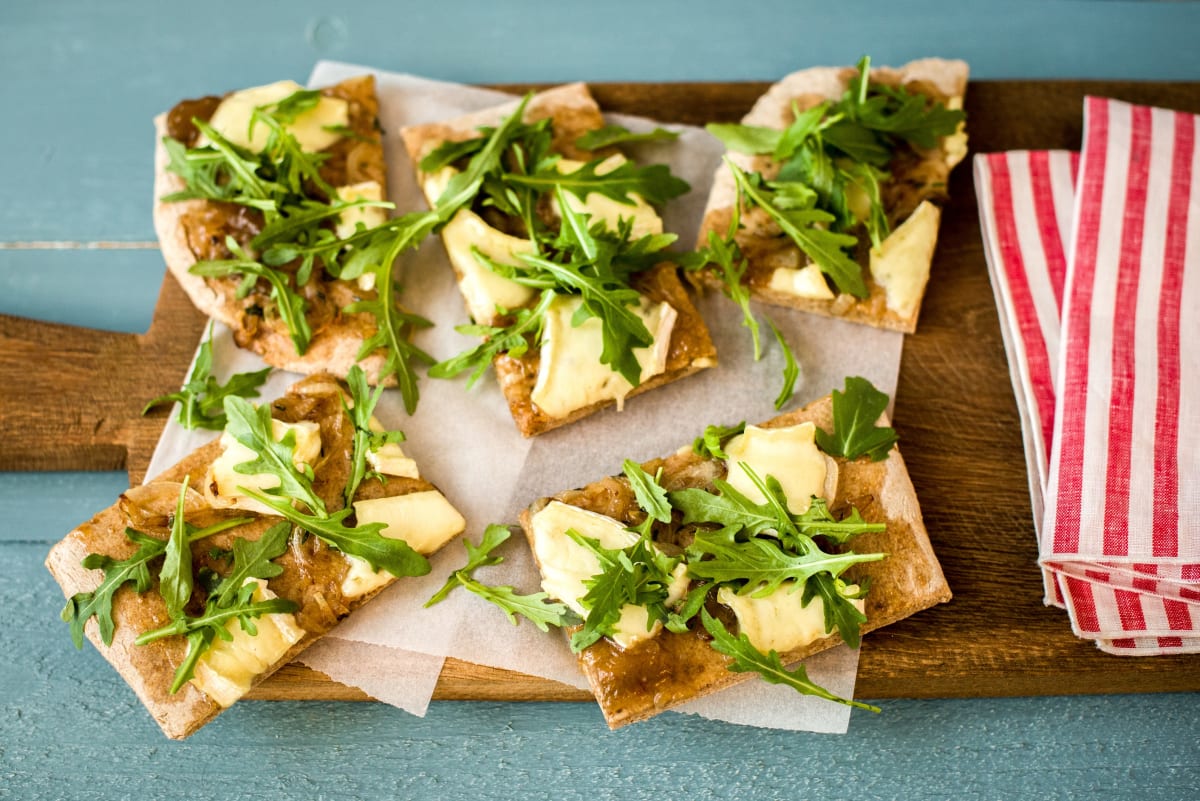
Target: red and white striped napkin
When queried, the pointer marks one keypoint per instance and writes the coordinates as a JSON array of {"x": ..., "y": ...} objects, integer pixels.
[{"x": 1097, "y": 281}]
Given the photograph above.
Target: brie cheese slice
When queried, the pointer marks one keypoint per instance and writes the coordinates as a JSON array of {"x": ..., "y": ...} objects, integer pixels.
[{"x": 315, "y": 129}]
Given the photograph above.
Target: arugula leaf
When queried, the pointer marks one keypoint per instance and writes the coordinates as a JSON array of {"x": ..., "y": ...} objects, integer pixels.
[
  {"x": 252, "y": 560},
  {"x": 134, "y": 569},
  {"x": 536, "y": 607},
  {"x": 654, "y": 183},
  {"x": 761, "y": 562},
  {"x": 290, "y": 304},
  {"x": 855, "y": 412},
  {"x": 618, "y": 134},
  {"x": 650, "y": 495},
  {"x": 711, "y": 442},
  {"x": 638, "y": 575},
  {"x": 824, "y": 247},
  {"x": 98, "y": 603},
  {"x": 839, "y": 612},
  {"x": 175, "y": 578},
  {"x": 512, "y": 339},
  {"x": 693, "y": 602},
  {"x": 202, "y": 398},
  {"x": 749, "y": 139},
  {"x": 365, "y": 541},
  {"x": 791, "y": 370},
  {"x": 897, "y": 112},
  {"x": 748, "y": 659},
  {"x": 253, "y": 428},
  {"x": 730, "y": 267},
  {"x": 362, "y": 406}
]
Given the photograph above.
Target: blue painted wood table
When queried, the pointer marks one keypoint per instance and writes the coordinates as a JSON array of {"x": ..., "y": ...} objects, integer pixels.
[{"x": 80, "y": 83}]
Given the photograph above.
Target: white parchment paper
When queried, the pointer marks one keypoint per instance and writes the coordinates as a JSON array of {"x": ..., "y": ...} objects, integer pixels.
[{"x": 465, "y": 442}]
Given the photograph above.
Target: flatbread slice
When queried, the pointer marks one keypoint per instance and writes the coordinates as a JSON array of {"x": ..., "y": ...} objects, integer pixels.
[
  {"x": 325, "y": 583},
  {"x": 896, "y": 275},
  {"x": 667, "y": 669},
  {"x": 573, "y": 112},
  {"x": 196, "y": 229}
]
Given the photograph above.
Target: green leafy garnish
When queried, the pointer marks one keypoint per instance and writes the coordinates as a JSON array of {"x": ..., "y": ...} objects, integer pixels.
[
  {"x": 639, "y": 574},
  {"x": 175, "y": 578},
  {"x": 253, "y": 428},
  {"x": 362, "y": 405},
  {"x": 807, "y": 226},
  {"x": 202, "y": 398},
  {"x": 618, "y": 134},
  {"x": 730, "y": 266},
  {"x": 364, "y": 541},
  {"x": 791, "y": 370},
  {"x": 536, "y": 608},
  {"x": 855, "y": 413},
  {"x": 134, "y": 569},
  {"x": 655, "y": 183},
  {"x": 711, "y": 443},
  {"x": 748, "y": 659},
  {"x": 230, "y": 599}
]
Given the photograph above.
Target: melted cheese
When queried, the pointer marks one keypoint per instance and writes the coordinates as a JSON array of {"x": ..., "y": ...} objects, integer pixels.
[
  {"x": 901, "y": 264},
  {"x": 780, "y": 621},
  {"x": 805, "y": 282},
  {"x": 604, "y": 209},
  {"x": 482, "y": 289},
  {"x": 369, "y": 216},
  {"x": 570, "y": 375},
  {"x": 389, "y": 458},
  {"x": 221, "y": 485},
  {"x": 789, "y": 454},
  {"x": 227, "y": 669},
  {"x": 955, "y": 145},
  {"x": 565, "y": 565},
  {"x": 312, "y": 128},
  {"x": 425, "y": 520}
]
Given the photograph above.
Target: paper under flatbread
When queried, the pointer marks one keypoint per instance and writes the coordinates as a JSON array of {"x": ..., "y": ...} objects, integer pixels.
[
  {"x": 312, "y": 577},
  {"x": 670, "y": 669},
  {"x": 574, "y": 112},
  {"x": 193, "y": 230},
  {"x": 918, "y": 175}
]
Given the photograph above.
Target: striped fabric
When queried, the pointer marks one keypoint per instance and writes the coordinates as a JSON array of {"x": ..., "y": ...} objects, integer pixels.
[{"x": 1109, "y": 398}]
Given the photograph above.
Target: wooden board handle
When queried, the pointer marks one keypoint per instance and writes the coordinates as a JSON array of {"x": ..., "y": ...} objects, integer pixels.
[{"x": 71, "y": 398}]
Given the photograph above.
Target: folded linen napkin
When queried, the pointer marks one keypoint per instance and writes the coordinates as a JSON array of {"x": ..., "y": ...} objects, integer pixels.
[{"x": 1109, "y": 399}]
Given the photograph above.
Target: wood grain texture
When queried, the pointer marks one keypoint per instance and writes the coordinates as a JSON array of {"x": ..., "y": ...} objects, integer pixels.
[{"x": 954, "y": 411}]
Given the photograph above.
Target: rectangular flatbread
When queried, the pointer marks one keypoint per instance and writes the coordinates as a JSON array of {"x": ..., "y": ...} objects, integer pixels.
[
  {"x": 324, "y": 583},
  {"x": 896, "y": 274},
  {"x": 667, "y": 669},
  {"x": 573, "y": 112}
]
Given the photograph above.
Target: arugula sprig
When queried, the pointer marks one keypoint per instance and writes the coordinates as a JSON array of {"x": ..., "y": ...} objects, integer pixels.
[
  {"x": 618, "y": 134},
  {"x": 748, "y": 659},
  {"x": 362, "y": 405},
  {"x": 253, "y": 427},
  {"x": 712, "y": 442},
  {"x": 855, "y": 412},
  {"x": 202, "y": 398},
  {"x": 536, "y": 608}
]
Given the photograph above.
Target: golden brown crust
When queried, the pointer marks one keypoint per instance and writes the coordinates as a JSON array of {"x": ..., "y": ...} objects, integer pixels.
[
  {"x": 311, "y": 577},
  {"x": 191, "y": 230},
  {"x": 670, "y": 669},
  {"x": 574, "y": 112},
  {"x": 917, "y": 176}
]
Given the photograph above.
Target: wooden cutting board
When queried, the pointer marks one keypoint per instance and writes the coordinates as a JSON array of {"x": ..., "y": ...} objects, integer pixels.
[{"x": 71, "y": 400}]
